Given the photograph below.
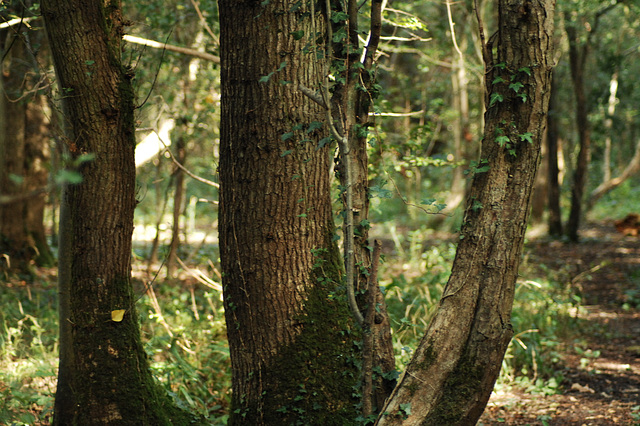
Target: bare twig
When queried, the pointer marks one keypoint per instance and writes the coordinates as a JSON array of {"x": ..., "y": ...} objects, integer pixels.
[{"x": 172, "y": 48}]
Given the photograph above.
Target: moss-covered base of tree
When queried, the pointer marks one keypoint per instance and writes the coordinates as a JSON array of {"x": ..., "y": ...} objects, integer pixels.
[
  {"x": 462, "y": 386},
  {"x": 316, "y": 379}
]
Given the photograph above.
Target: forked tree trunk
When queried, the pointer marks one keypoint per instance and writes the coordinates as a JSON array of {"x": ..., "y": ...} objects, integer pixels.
[
  {"x": 291, "y": 335},
  {"x": 103, "y": 376},
  {"x": 451, "y": 376}
]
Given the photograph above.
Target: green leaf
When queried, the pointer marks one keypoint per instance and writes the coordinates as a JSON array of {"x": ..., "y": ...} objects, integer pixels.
[
  {"x": 285, "y": 153},
  {"x": 89, "y": 62},
  {"x": 265, "y": 78},
  {"x": 68, "y": 176},
  {"x": 323, "y": 142},
  {"x": 526, "y": 137},
  {"x": 286, "y": 136},
  {"x": 516, "y": 86},
  {"x": 523, "y": 96},
  {"x": 498, "y": 80},
  {"x": 503, "y": 140},
  {"x": 495, "y": 97},
  {"x": 84, "y": 158},
  {"x": 428, "y": 201},
  {"x": 525, "y": 70},
  {"x": 339, "y": 16},
  {"x": 315, "y": 125},
  {"x": 297, "y": 35}
]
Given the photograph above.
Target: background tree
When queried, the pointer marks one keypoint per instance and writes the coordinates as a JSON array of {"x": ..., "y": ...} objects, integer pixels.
[
  {"x": 461, "y": 353},
  {"x": 103, "y": 376},
  {"x": 24, "y": 149}
]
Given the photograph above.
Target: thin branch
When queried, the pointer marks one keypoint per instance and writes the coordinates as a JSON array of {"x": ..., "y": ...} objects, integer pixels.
[
  {"x": 184, "y": 169},
  {"x": 178, "y": 49},
  {"x": 203, "y": 21}
]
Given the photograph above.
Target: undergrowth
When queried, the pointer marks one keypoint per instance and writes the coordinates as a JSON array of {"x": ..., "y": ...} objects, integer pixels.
[{"x": 544, "y": 312}]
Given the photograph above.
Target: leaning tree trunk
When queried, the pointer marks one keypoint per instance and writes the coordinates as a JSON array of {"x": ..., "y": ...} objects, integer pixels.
[
  {"x": 103, "y": 376},
  {"x": 451, "y": 376},
  {"x": 291, "y": 335}
]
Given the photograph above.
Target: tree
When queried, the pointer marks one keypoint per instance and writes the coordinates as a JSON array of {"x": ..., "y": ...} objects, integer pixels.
[
  {"x": 579, "y": 49},
  {"x": 23, "y": 148},
  {"x": 292, "y": 338},
  {"x": 103, "y": 376},
  {"x": 452, "y": 373}
]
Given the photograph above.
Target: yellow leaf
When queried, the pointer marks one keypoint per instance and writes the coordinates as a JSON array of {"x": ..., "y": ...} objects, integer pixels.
[{"x": 116, "y": 316}]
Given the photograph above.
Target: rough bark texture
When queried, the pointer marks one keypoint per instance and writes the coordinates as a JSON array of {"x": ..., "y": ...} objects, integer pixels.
[
  {"x": 350, "y": 106},
  {"x": 104, "y": 377},
  {"x": 291, "y": 335},
  {"x": 450, "y": 378}
]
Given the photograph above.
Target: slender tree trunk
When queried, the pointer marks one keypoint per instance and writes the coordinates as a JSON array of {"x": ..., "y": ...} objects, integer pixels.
[
  {"x": 451, "y": 376},
  {"x": 178, "y": 208},
  {"x": 555, "y": 215},
  {"x": 291, "y": 335},
  {"x": 16, "y": 247},
  {"x": 577, "y": 61},
  {"x": 103, "y": 377}
]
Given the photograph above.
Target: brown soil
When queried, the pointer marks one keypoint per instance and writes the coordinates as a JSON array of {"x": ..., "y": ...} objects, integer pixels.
[{"x": 601, "y": 387}]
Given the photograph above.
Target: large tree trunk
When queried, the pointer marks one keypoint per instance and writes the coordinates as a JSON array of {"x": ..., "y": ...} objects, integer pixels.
[
  {"x": 291, "y": 335},
  {"x": 452, "y": 374},
  {"x": 103, "y": 376}
]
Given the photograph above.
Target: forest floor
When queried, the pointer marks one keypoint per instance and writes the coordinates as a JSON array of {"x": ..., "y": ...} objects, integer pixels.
[{"x": 600, "y": 386}]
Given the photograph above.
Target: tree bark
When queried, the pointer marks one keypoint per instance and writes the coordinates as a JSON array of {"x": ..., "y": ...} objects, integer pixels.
[
  {"x": 453, "y": 371},
  {"x": 291, "y": 334},
  {"x": 103, "y": 377},
  {"x": 577, "y": 61},
  {"x": 555, "y": 215}
]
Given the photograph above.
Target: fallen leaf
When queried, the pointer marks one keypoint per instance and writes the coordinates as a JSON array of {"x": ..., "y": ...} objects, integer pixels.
[
  {"x": 578, "y": 387},
  {"x": 117, "y": 315}
]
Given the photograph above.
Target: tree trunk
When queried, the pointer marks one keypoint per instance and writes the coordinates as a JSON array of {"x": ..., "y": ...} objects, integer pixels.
[
  {"x": 577, "y": 61},
  {"x": 451, "y": 376},
  {"x": 103, "y": 376},
  {"x": 16, "y": 248},
  {"x": 555, "y": 214},
  {"x": 291, "y": 335}
]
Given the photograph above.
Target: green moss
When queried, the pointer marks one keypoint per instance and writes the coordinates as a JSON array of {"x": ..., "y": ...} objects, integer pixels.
[
  {"x": 321, "y": 367},
  {"x": 461, "y": 386}
]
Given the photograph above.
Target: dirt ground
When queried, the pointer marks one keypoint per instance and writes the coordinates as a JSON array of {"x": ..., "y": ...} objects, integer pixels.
[{"x": 605, "y": 390}]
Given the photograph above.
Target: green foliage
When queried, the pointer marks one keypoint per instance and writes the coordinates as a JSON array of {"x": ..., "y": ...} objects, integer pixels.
[{"x": 28, "y": 352}]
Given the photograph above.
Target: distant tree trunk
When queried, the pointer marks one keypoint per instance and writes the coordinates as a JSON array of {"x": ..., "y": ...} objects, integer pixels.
[
  {"x": 291, "y": 334},
  {"x": 555, "y": 214},
  {"x": 451, "y": 376},
  {"x": 178, "y": 203},
  {"x": 577, "y": 61},
  {"x": 103, "y": 376},
  {"x": 16, "y": 247}
]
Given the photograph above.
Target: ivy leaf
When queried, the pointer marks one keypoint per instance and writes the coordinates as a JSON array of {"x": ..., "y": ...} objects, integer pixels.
[
  {"x": 285, "y": 153},
  {"x": 286, "y": 136},
  {"x": 525, "y": 70},
  {"x": 516, "y": 86},
  {"x": 526, "y": 137},
  {"x": 503, "y": 140},
  {"x": 495, "y": 97},
  {"x": 265, "y": 78},
  {"x": 315, "y": 125},
  {"x": 498, "y": 80},
  {"x": 297, "y": 35},
  {"x": 428, "y": 201},
  {"x": 323, "y": 142}
]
